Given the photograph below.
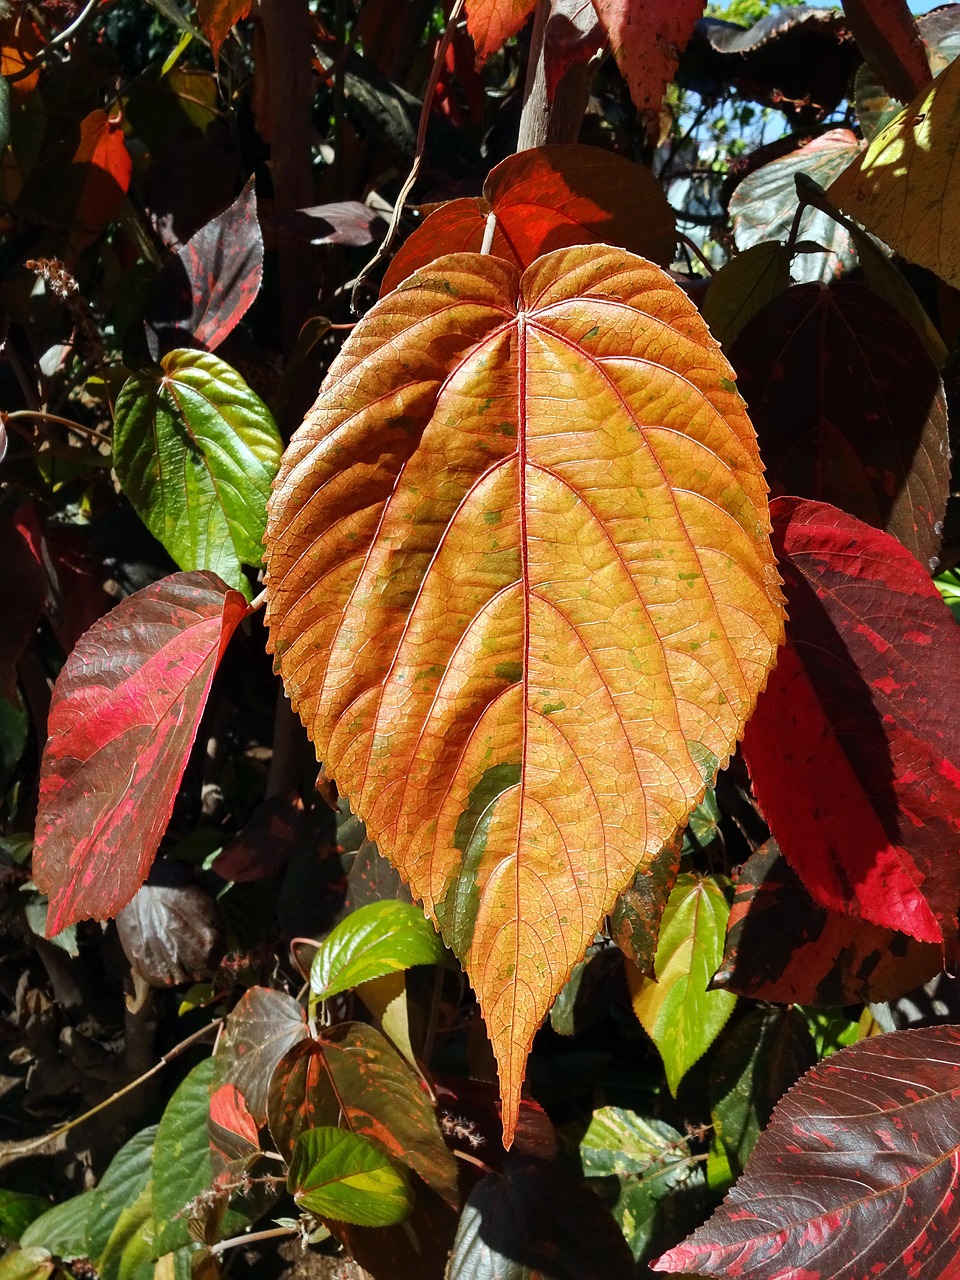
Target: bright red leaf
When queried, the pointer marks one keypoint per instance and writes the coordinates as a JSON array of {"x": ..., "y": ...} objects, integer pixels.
[
  {"x": 491, "y": 22},
  {"x": 124, "y": 714},
  {"x": 854, "y": 748},
  {"x": 856, "y": 1177},
  {"x": 105, "y": 172},
  {"x": 548, "y": 198}
]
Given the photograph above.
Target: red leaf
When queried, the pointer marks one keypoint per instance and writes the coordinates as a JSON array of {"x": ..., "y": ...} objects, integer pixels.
[
  {"x": 106, "y": 171},
  {"x": 231, "y": 1127},
  {"x": 259, "y": 1031},
  {"x": 869, "y": 432},
  {"x": 782, "y": 947},
  {"x": 548, "y": 198},
  {"x": 491, "y": 22},
  {"x": 887, "y": 34},
  {"x": 206, "y": 289},
  {"x": 854, "y": 748},
  {"x": 267, "y": 841},
  {"x": 122, "y": 721},
  {"x": 647, "y": 39},
  {"x": 855, "y": 1177},
  {"x": 216, "y": 17}
]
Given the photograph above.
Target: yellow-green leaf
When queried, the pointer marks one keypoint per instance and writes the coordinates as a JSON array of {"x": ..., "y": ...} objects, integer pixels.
[
  {"x": 919, "y": 215},
  {"x": 522, "y": 595},
  {"x": 679, "y": 1014}
]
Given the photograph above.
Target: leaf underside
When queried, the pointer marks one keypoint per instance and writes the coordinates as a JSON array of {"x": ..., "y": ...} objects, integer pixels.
[{"x": 522, "y": 596}]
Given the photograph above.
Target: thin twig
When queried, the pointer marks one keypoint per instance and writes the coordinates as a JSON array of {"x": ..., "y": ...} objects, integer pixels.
[
  {"x": 387, "y": 244},
  {"x": 24, "y": 1148},
  {"x": 40, "y": 415},
  {"x": 61, "y": 38},
  {"x": 692, "y": 244},
  {"x": 272, "y": 1233}
]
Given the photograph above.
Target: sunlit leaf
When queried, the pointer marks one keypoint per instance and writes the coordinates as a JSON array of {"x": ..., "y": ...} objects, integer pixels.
[
  {"x": 216, "y": 17},
  {"x": 647, "y": 40},
  {"x": 781, "y": 946},
  {"x": 919, "y": 217},
  {"x": 657, "y": 1190},
  {"x": 384, "y": 937},
  {"x": 765, "y": 202},
  {"x": 492, "y": 22},
  {"x": 677, "y": 1010},
  {"x": 125, "y": 709},
  {"x": 101, "y": 172},
  {"x": 259, "y": 1031},
  {"x": 855, "y": 1176},
  {"x": 115, "y": 1202},
  {"x": 338, "y": 1175},
  {"x": 869, "y": 432},
  {"x": 548, "y": 198},
  {"x": 33, "y": 1263},
  {"x": 520, "y": 593},
  {"x": 352, "y": 1077},
  {"x": 195, "y": 451},
  {"x": 854, "y": 749},
  {"x": 62, "y": 1229}
]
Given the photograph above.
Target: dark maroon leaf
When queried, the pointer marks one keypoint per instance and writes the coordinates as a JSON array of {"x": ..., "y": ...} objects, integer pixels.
[
  {"x": 782, "y": 947},
  {"x": 854, "y": 747},
  {"x": 869, "y": 432},
  {"x": 372, "y": 879},
  {"x": 124, "y": 714},
  {"x": 205, "y": 290},
  {"x": 535, "y": 1220},
  {"x": 470, "y": 1115},
  {"x": 856, "y": 1176},
  {"x": 343, "y": 222},
  {"x": 259, "y": 1031},
  {"x": 417, "y": 1248},
  {"x": 354, "y": 1078},
  {"x": 267, "y": 841},
  {"x": 170, "y": 931}
]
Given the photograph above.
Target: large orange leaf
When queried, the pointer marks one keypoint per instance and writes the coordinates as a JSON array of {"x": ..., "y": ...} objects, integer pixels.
[{"x": 522, "y": 595}]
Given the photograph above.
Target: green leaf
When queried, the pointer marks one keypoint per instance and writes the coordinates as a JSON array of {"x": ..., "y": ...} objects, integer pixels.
[
  {"x": 677, "y": 1011},
  {"x": 757, "y": 1062},
  {"x": 17, "y": 1211},
  {"x": 659, "y": 1193},
  {"x": 182, "y": 1167},
  {"x": 744, "y": 285},
  {"x": 4, "y": 112},
  {"x": 196, "y": 452},
  {"x": 124, "y": 1182},
  {"x": 27, "y": 1264},
  {"x": 381, "y": 938},
  {"x": 339, "y": 1175},
  {"x": 62, "y": 1229},
  {"x": 128, "y": 1253}
]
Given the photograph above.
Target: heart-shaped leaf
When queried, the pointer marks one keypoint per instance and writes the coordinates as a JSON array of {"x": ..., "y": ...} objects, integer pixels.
[
  {"x": 919, "y": 218},
  {"x": 354, "y": 1078},
  {"x": 124, "y": 713},
  {"x": 521, "y": 594},
  {"x": 547, "y": 198},
  {"x": 195, "y": 451},
  {"x": 380, "y": 938},
  {"x": 855, "y": 1176},
  {"x": 677, "y": 1010},
  {"x": 337, "y": 1175},
  {"x": 258, "y": 1032},
  {"x": 854, "y": 749}
]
